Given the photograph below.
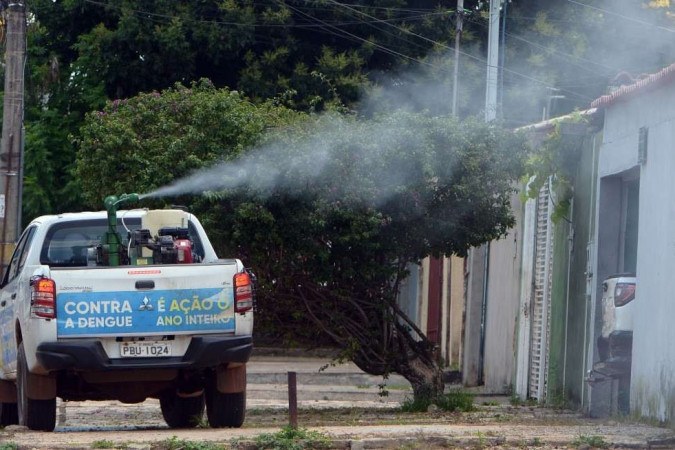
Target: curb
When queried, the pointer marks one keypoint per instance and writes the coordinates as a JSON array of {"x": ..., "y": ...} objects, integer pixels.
[{"x": 323, "y": 352}]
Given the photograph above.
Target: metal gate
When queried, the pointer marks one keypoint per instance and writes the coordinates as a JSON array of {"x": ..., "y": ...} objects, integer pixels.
[{"x": 541, "y": 301}]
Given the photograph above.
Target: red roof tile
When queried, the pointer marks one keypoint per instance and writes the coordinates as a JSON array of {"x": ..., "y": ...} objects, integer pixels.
[{"x": 650, "y": 82}]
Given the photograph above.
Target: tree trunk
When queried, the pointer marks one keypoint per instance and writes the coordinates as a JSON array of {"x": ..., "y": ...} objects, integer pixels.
[
  {"x": 378, "y": 337},
  {"x": 415, "y": 360},
  {"x": 426, "y": 378}
]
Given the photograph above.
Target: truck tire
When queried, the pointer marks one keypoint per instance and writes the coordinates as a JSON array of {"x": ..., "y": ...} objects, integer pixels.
[
  {"x": 34, "y": 414},
  {"x": 9, "y": 414},
  {"x": 225, "y": 410},
  {"x": 181, "y": 412}
]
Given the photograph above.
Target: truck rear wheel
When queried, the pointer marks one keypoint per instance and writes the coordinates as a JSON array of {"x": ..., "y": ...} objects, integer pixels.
[
  {"x": 9, "y": 414},
  {"x": 225, "y": 410},
  {"x": 182, "y": 412},
  {"x": 34, "y": 414}
]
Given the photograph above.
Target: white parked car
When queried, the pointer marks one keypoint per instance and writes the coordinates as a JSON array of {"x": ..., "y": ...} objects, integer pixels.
[{"x": 618, "y": 304}]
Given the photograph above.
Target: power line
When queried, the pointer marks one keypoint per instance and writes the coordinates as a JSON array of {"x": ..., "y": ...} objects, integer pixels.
[
  {"x": 384, "y": 8},
  {"x": 477, "y": 58},
  {"x": 631, "y": 19},
  {"x": 375, "y": 44},
  {"x": 322, "y": 25},
  {"x": 376, "y": 20},
  {"x": 141, "y": 13},
  {"x": 333, "y": 29}
]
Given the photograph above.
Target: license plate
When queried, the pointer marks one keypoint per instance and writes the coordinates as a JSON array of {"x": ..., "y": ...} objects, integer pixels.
[{"x": 145, "y": 349}]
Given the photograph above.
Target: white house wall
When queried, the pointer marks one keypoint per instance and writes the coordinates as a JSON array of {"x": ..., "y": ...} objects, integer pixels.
[
  {"x": 503, "y": 306},
  {"x": 653, "y": 366}
]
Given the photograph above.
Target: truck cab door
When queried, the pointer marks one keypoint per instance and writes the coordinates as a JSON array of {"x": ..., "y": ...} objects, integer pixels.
[{"x": 9, "y": 293}]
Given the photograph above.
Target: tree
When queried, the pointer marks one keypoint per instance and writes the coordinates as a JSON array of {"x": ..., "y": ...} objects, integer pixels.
[
  {"x": 314, "y": 55},
  {"x": 81, "y": 53},
  {"x": 329, "y": 210},
  {"x": 307, "y": 54}
]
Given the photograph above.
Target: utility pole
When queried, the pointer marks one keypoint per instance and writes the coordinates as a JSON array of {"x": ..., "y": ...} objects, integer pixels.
[
  {"x": 11, "y": 145},
  {"x": 478, "y": 261},
  {"x": 502, "y": 59},
  {"x": 458, "y": 38},
  {"x": 492, "y": 62}
]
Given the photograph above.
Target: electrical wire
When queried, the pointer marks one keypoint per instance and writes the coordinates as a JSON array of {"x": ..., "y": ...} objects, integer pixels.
[
  {"x": 572, "y": 58},
  {"x": 477, "y": 58},
  {"x": 359, "y": 38},
  {"x": 149, "y": 15},
  {"x": 613, "y": 70},
  {"x": 333, "y": 29},
  {"x": 371, "y": 24},
  {"x": 631, "y": 19},
  {"x": 384, "y": 8}
]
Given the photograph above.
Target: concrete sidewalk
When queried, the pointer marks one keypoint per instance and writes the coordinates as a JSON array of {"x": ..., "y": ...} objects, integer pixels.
[
  {"x": 313, "y": 370},
  {"x": 319, "y": 384}
]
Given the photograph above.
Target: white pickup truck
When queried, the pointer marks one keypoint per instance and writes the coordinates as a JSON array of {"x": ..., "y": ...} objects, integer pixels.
[{"x": 169, "y": 320}]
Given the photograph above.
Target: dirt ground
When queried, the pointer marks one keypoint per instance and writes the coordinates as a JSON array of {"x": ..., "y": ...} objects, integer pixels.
[
  {"x": 85, "y": 425},
  {"x": 343, "y": 403}
]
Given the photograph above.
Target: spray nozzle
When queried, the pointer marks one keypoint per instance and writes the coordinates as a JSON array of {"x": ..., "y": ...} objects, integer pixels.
[{"x": 112, "y": 202}]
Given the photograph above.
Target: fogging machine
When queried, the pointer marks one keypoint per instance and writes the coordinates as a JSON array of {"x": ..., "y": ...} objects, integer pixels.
[{"x": 171, "y": 245}]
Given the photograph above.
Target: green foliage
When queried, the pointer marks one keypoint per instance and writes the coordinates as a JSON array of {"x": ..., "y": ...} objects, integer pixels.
[
  {"x": 558, "y": 400},
  {"x": 149, "y": 140},
  {"x": 535, "y": 442},
  {"x": 329, "y": 210},
  {"x": 55, "y": 104},
  {"x": 455, "y": 400},
  {"x": 106, "y": 443},
  {"x": 517, "y": 401},
  {"x": 174, "y": 443},
  {"x": 555, "y": 161},
  {"x": 82, "y": 53},
  {"x": 590, "y": 441},
  {"x": 9, "y": 446},
  {"x": 416, "y": 404},
  {"x": 313, "y": 58},
  {"x": 308, "y": 56},
  {"x": 289, "y": 438}
]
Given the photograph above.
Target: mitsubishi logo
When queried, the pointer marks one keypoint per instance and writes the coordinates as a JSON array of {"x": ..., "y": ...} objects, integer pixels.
[{"x": 145, "y": 305}]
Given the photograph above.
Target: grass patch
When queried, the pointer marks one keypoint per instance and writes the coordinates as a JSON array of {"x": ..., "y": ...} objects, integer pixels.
[
  {"x": 398, "y": 387},
  {"x": 9, "y": 446},
  {"x": 517, "y": 401},
  {"x": 455, "y": 400},
  {"x": 180, "y": 444},
  {"x": 592, "y": 441},
  {"x": 289, "y": 438},
  {"x": 105, "y": 443},
  {"x": 536, "y": 442},
  {"x": 412, "y": 405}
]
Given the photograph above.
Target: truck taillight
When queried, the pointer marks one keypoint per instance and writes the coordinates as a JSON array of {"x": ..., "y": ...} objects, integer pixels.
[
  {"x": 43, "y": 297},
  {"x": 243, "y": 292},
  {"x": 623, "y": 293}
]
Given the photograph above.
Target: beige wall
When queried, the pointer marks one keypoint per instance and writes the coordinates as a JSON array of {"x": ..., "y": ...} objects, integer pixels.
[
  {"x": 456, "y": 311},
  {"x": 452, "y": 308}
]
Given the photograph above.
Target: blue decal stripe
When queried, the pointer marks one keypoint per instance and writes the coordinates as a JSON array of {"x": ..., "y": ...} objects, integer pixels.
[{"x": 125, "y": 312}]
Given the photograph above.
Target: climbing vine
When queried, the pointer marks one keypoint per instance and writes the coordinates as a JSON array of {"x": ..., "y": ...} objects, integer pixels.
[{"x": 556, "y": 159}]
